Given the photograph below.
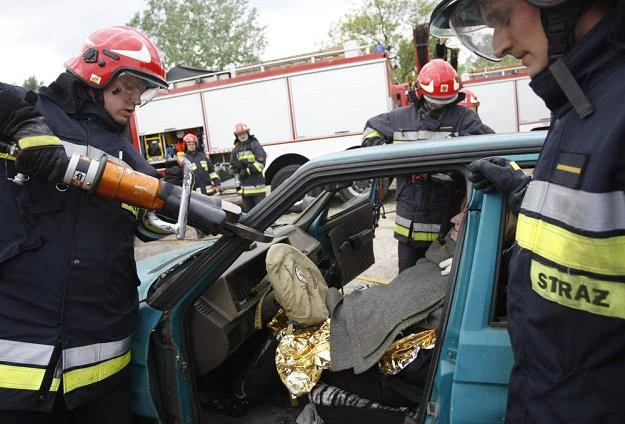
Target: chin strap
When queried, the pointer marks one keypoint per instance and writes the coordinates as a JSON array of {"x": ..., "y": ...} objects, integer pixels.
[{"x": 559, "y": 23}]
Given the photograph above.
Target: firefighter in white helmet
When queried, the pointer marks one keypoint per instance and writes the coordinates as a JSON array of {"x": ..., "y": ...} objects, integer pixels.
[{"x": 247, "y": 162}]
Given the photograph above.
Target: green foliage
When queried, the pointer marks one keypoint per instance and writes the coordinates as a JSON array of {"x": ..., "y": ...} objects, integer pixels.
[
  {"x": 203, "y": 33},
  {"x": 476, "y": 63},
  {"x": 31, "y": 83},
  {"x": 388, "y": 23}
]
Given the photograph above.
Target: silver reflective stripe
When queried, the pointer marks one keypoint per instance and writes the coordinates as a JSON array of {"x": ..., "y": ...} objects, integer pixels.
[
  {"x": 579, "y": 209},
  {"x": 91, "y": 354},
  {"x": 420, "y": 135},
  {"x": 417, "y": 227},
  {"x": 25, "y": 353},
  {"x": 92, "y": 152}
]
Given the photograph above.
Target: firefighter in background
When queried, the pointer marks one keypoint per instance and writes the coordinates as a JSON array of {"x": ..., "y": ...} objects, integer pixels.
[
  {"x": 68, "y": 282},
  {"x": 566, "y": 298},
  {"x": 247, "y": 162},
  {"x": 206, "y": 178},
  {"x": 423, "y": 201},
  {"x": 473, "y": 103}
]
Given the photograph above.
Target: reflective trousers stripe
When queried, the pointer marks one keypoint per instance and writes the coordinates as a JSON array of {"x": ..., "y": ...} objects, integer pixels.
[
  {"x": 29, "y": 378},
  {"x": 416, "y": 235},
  {"x": 7, "y": 156},
  {"x": 571, "y": 250},
  {"x": 580, "y": 292}
]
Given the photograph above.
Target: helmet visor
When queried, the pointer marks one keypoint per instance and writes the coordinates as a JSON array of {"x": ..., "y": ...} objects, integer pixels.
[
  {"x": 472, "y": 21},
  {"x": 134, "y": 83}
]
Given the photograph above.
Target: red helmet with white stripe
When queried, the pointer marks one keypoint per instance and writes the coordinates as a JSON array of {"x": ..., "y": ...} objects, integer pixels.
[
  {"x": 240, "y": 128},
  {"x": 470, "y": 99},
  {"x": 114, "y": 50},
  {"x": 190, "y": 138},
  {"x": 439, "y": 82}
]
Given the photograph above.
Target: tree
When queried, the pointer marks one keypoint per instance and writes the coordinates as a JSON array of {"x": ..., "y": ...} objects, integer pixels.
[
  {"x": 388, "y": 23},
  {"x": 476, "y": 63},
  {"x": 31, "y": 83},
  {"x": 203, "y": 33}
]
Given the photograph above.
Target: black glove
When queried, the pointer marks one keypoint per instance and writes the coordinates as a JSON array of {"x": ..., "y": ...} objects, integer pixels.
[
  {"x": 496, "y": 174},
  {"x": 41, "y": 152}
]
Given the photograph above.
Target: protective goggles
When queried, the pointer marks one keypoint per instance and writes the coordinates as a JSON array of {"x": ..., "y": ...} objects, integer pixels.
[
  {"x": 472, "y": 21},
  {"x": 134, "y": 85}
]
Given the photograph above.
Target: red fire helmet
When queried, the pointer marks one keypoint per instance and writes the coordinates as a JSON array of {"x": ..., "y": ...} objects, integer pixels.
[
  {"x": 470, "y": 99},
  {"x": 190, "y": 138},
  {"x": 240, "y": 128},
  {"x": 110, "y": 51},
  {"x": 439, "y": 82}
]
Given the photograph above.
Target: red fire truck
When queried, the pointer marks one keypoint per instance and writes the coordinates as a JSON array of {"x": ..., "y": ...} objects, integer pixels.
[{"x": 305, "y": 108}]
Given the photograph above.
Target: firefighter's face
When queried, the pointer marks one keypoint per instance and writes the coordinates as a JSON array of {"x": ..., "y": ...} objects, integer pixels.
[
  {"x": 121, "y": 97},
  {"x": 518, "y": 32},
  {"x": 191, "y": 146},
  {"x": 242, "y": 137}
]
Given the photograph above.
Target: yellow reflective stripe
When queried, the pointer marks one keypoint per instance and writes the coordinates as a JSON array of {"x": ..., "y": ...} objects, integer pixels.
[
  {"x": 7, "y": 156},
  {"x": 213, "y": 176},
  {"x": 132, "y": 209},
  {"x": 596, "y": 255},
  {"x": 39, "y": 141},
  {"x": 514, "y": 165},
  {"x": 416, "y": 235},
  {"x": 374, "y": 133},
  {"x": 579, "y": 292},
  {"x": 259, "y": 166},
  {"x": 84, "y": 376},
  {"x": 568, "y": 168},
  {"x": 254, "y": 190},
  {"x": 247, "y": 156},
  {"x": 24, "y": 378}
]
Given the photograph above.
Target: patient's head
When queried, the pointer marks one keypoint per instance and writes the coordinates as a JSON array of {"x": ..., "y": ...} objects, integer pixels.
[{"x": 457, "y": 221}]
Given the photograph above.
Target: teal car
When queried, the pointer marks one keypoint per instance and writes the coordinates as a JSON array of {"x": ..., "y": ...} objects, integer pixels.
[{"x": 201, "y": 306}]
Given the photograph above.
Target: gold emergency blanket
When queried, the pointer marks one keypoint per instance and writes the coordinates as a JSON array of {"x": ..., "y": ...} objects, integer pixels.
[
  {"x": 405, "y": 350},
  {"x": 303, "y": 354}
]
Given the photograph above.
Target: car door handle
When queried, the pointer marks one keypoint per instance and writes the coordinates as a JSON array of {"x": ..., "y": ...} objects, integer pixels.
[{"x": 356, "y": 241}]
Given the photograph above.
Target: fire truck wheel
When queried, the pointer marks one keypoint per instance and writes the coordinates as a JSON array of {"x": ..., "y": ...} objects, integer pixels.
[
  {"x": 282, "y": 175},
  {"x": 362, "y": 188}
]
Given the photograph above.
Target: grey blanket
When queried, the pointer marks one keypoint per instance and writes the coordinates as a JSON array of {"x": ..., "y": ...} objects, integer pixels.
[{"x": 365, "y": 323}]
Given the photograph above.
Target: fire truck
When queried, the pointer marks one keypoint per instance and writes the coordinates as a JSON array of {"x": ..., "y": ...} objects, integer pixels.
[
  {"x": 299, "y": 109},
  {"x": 507, "y": 102}
]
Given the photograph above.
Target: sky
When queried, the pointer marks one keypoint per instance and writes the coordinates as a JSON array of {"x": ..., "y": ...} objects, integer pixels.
[{"x": 38, "y": 36}]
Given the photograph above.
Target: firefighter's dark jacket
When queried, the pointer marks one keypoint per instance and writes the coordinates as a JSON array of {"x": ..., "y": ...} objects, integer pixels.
[
  {"x": 68, "y": 282},
  {"x": 251, "y": 158},
  {"x": 203, "y": 171},
  {"x": 566, "y": 290},
  {"x": 422, "y": 201}
]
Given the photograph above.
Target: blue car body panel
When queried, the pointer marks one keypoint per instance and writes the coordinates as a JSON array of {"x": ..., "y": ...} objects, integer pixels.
[{"x": 471, "y": 376}]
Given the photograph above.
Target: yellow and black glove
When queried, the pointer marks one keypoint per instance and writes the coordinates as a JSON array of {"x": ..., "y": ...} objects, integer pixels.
[{"x": 41, "y": 152}]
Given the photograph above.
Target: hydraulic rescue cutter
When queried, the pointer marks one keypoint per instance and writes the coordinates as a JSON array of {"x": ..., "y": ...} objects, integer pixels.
[{"x": 110, "y": 180}]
